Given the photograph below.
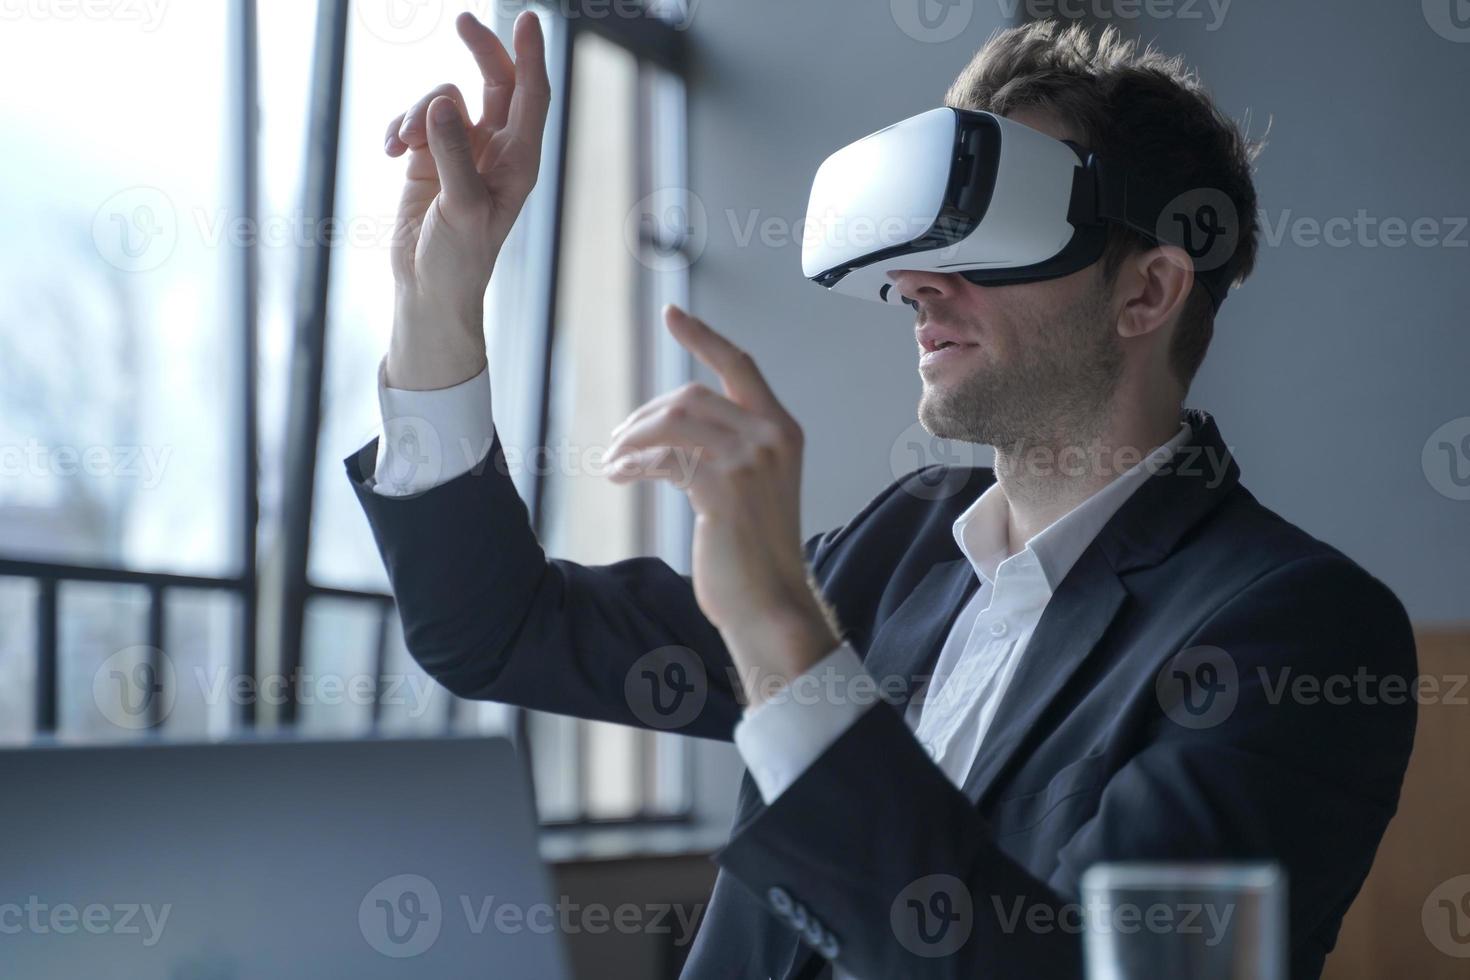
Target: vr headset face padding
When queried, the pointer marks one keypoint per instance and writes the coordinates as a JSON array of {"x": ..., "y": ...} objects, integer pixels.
[{"x": 977, "y": 194}]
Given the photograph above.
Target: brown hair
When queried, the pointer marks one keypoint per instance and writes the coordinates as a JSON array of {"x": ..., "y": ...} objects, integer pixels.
[{"x": 1138, "y": 107}]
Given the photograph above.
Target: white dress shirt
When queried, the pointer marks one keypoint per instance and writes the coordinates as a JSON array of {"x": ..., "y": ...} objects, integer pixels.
[{"x": 786, "y": 733}]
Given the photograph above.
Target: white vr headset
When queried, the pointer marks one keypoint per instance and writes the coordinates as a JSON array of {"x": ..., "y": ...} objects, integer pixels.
[{"x": 973, "y": 193}]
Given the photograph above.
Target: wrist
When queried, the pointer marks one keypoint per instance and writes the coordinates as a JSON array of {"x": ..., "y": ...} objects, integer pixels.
[
  {"x": 430, "y": 349},
  {"x": 776, "y": 647}
]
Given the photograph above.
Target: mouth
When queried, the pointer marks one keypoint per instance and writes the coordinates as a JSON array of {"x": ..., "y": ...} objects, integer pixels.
[{"x": 943, "y": 352}]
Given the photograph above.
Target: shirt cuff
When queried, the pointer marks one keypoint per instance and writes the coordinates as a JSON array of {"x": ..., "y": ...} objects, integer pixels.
[
  {"x": 783, "y": 735},
  {"x": 430, "y": 437}
]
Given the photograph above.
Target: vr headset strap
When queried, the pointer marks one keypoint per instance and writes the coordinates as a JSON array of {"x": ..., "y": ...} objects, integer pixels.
[{"x": 1104, "y": 191}]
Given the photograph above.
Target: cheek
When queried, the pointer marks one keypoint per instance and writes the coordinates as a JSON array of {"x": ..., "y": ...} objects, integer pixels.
[
  {"x": 997, "y": 317},
  {"x": 1030, "y": 316}
]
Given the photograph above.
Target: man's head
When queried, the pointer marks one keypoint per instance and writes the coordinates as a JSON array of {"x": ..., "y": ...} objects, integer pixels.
[{"x": 1038, "y": 361}]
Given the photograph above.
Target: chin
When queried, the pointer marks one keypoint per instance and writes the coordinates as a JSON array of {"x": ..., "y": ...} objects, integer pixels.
[{"x": 933, "y": 419}]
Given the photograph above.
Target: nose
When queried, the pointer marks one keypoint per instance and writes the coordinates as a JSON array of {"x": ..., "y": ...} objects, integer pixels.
[{"x": 916, "y": 286}]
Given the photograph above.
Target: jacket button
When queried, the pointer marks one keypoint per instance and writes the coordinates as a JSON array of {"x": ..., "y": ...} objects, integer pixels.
[
  {"x": 829, "y": 947},
  {"x": 799, "y": 916},
  {"x": 780, "y": 901}
]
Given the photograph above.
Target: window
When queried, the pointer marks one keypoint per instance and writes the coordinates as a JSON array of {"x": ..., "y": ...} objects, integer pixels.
[
  {"x": 188, "y": 348},
  {"x": 116, "y": 327},
  {"x": 121, "y": 395}
]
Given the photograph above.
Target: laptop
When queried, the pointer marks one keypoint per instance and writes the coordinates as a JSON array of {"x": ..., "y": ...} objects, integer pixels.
[{"x": 273, "y": 858}]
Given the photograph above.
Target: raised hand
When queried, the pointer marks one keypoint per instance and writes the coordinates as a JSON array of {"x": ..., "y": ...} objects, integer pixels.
[
  {"x": 465, "y": 186},
  {"x": 737, "y": 456}
]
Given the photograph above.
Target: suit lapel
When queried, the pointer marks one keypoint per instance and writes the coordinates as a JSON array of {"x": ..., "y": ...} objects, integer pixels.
[{"x": 905, "y": 648}]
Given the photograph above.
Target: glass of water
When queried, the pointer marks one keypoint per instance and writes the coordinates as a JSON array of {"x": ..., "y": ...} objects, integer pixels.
[{"x": 1159, "y": 921}]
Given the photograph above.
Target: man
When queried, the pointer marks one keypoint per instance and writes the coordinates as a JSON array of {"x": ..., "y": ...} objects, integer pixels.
[{"x": 987, "y": 680}]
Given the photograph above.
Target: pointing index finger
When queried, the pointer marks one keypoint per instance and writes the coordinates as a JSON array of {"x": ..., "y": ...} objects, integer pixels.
[{"x": 743, "y": 381}]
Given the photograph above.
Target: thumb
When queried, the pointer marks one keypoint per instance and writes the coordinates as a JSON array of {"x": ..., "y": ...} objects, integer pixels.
[{"x": 449, "y": 142}]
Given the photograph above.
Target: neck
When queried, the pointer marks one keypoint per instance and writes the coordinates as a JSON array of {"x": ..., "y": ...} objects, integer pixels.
[{"x": 1044, "y": 480}]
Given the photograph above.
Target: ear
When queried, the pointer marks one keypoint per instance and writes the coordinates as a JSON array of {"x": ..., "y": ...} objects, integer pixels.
[{"x": 1152, "y": 288}]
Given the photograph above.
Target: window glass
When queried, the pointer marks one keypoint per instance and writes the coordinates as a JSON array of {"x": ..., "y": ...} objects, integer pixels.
[{"x": 118, "y": 375}]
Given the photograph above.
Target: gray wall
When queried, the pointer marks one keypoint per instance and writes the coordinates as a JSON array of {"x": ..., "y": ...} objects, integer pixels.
[
  {"x": 1329, "y": 371},
  {"x": 1333, "y": 366}
]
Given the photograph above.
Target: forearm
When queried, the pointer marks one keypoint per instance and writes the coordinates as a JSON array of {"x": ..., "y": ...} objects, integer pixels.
[
  {"x": 488, "y": 615},
  {"x": 773, "y": 650},
  {"x": 433, "y": 348}
]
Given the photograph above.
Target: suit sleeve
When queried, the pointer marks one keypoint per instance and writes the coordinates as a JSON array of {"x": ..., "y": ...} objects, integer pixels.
[
  {"x": 868, "y": 836},
  {"x": 489, "y": 616}
]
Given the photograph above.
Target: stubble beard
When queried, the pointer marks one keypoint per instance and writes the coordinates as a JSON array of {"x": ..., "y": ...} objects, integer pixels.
[{"x": 1055, "y": 391}]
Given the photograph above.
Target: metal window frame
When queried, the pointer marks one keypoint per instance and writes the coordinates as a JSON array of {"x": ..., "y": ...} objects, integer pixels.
[{"x": 290, "y": 584}]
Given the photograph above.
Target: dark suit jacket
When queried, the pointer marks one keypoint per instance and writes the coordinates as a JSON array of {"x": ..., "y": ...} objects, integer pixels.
[{"x": 1147, "y": 720}]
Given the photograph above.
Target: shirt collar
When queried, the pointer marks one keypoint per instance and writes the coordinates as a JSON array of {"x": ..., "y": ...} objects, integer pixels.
[{"x": 982, "y": 536}]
